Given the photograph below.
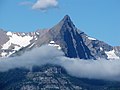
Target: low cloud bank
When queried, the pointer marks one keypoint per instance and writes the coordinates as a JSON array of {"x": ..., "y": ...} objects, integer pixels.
[{"x": 92, "y": 69}]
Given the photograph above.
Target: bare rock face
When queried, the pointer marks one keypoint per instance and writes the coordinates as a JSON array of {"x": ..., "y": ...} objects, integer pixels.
[
  {"x": 50, "y": 77},
  {"x": 73, "y": 42},
  {"x": 117, "y": 50}
]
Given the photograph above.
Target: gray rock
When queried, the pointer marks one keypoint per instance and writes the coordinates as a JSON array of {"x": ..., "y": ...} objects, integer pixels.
[{"x": 73, "y": 42}]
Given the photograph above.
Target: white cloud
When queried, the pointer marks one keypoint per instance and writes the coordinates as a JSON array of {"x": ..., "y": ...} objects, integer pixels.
[
  {"x": 37, "y": 56},
  {"x": 45, "y": 4},
  {"x": 92, "y": 69}
]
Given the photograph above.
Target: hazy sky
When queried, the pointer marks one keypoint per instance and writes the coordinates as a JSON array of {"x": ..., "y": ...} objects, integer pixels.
[{"x": 97, "y": 18}]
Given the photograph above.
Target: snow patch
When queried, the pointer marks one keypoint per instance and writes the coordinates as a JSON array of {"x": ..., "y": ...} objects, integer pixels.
[
  {"x": 10, "y": 53},
  {"x": 23, "y": 34},
  {"x": 18, "y": 40},
  {"x": 52, "y": 43},
  {"x": 4, "y": 54},
  {"x": 101, "y": 48},
  {"x": 31, "y": 45},
  {"x": 90, "y": 38},
  {"x": 111, "y": 54},
  {"x": 6, "y": 45},
  {"x": 9, "y": 33},
  {"x": 16, "y": 48},
  {"x": 36, "y": 39},
  {"x": 37, "y": 33}
]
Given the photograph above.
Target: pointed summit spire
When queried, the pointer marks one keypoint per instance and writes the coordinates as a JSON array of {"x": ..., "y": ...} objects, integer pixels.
[
  {"x": 64, "y": 24},
  {"x": 66, "y": 17},
  {"x": 65, "y": 21}
]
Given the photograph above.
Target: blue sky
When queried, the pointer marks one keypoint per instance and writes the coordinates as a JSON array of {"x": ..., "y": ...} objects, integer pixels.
[{"x": 97, "y": 18}]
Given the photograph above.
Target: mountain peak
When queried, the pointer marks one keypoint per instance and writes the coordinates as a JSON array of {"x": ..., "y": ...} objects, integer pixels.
[
  {"x": 63, "y": 24},
  {"x": 66, "y": 19}
]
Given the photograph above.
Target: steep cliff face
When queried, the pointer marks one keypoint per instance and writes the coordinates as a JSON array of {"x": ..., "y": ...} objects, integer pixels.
[
  {"x": 67, "y": 36},
  {"x": 64, "y": 35},
  {"x": 75, "y": 43}
]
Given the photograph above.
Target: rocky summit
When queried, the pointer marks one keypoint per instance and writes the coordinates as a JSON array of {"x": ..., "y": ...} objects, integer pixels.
[{"x": 64, "y": 36}]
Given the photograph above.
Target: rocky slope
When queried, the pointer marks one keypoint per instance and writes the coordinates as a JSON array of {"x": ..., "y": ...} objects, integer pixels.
[
  {"x": 50, "y": 77},
  {"x": 65, "y": 36}
]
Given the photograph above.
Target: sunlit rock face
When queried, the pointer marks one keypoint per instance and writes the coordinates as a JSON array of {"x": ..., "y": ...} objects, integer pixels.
[{"x": 63, "y": 36}]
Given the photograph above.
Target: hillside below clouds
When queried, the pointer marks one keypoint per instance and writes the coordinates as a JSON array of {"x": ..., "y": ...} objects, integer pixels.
[{"x": 64, "y": 36}]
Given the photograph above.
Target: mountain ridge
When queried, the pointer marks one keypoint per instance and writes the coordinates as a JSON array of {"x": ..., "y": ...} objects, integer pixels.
[{"x": 73, "y": 42}]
